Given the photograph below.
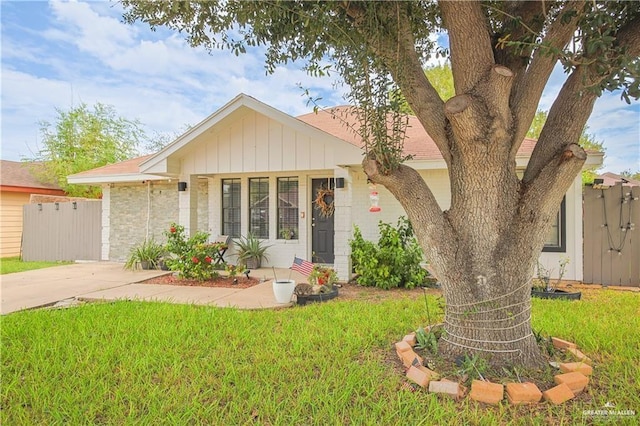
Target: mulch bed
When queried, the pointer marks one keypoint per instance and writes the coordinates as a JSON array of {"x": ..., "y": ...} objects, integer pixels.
[
  {"x": 348, "y": 291},
  {"x": 221, "y": 281}
]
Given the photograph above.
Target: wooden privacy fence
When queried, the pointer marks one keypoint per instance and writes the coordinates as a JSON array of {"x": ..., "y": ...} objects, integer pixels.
[
  {"x": 62, "y": 231},
  {"x": 611, "y": 235}
]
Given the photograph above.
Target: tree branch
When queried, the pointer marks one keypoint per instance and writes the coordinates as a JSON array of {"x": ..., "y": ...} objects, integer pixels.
[
  {"x": 398, "y": 53},
  {"x": 540, "y": 199},
  {"x": 464, "y": 114},
  {"x": 531, "y": 25},
  {"x": 528, "y": 86},
  {"x": 410, "y": 189},
  {"x": 469, "y": 42},
  {"x": 567, "y": 117},
  {"x": 420, "y": 94},
  {"x": 495, "y": 90},
  {"x": 488, "y": 102},
  {"x": 629, "y": 38}
]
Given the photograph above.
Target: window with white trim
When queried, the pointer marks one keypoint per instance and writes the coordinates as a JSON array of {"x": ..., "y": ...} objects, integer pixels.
[
  {"x": 231, "y": 207},
  {"x": 287, "y": 208},
  {"x": 556, "y": 238},
  {"x": 259, "y": 207}
]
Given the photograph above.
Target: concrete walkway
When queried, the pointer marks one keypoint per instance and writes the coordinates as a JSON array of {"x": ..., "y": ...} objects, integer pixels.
[{"x": 106, "y": 281}]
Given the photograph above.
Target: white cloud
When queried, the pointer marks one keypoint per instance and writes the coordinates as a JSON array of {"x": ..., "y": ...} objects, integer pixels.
[{"x": 99, "y": 35}]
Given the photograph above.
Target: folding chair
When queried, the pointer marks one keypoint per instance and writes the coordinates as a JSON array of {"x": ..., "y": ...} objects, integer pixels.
[{"x": 222, "y": 243}]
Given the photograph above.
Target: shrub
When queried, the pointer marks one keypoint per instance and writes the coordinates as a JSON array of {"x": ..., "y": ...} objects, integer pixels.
[
  {"x": 393, "y": 262},
  {"x": 192, "y": 257}
]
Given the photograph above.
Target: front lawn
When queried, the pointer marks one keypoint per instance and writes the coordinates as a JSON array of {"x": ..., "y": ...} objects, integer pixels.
[
  {"x": 333, "y": 363},
  {"x": 9, "y": 265}
]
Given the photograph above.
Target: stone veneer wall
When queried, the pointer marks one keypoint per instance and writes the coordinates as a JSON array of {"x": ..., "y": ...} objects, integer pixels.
[
  {"x": 203, "y": 207},
  {"x": 128, "y": 214}
]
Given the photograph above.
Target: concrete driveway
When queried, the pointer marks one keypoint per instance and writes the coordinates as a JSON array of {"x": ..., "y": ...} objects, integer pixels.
[
  {"x": 40, "y": 287},
  {"x": 101, "y": 281}
]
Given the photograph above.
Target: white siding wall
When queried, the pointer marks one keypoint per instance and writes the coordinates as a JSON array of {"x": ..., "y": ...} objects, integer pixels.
[
  {"x": 250, "y": 141},
  {"x": 573, "y": 237},
  {"x": 439, "y": 183}
]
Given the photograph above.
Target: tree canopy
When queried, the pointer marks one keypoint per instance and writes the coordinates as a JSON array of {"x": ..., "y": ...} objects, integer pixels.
[{"x": 84, "y": 138}]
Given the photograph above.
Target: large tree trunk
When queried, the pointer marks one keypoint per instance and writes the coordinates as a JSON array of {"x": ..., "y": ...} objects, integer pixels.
[{"x": 484, "y": 248}]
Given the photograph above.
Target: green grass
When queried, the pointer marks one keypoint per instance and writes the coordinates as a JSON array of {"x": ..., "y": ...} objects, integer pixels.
[
  {"x": 332, "y": 363},
  {"x": 9, "y": 265}
]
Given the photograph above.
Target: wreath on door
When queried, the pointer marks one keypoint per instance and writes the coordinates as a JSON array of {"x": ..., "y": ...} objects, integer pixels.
[{"x": 325, "y": 202}]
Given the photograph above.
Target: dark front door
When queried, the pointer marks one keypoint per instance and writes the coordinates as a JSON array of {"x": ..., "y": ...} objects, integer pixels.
[{"x": 322, "y": 220}]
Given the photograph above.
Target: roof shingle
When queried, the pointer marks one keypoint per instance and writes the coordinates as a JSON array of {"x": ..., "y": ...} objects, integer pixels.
[{"x": 21, "y": 174}]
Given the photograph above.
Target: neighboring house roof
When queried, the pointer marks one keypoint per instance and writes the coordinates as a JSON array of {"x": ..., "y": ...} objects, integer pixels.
[
  {"x": 16, "y": 176},
  {"x": 610, "y": 179},
  {"x": 124, "y": 171}
]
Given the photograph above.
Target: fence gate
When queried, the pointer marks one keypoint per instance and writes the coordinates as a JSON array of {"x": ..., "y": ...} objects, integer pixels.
[
  {"x": 611, "y": 235},
  {"x": 62, "y": 231}
]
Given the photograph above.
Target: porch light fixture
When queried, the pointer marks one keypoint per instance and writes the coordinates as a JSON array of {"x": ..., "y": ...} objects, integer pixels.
[
  {"x": 340, "y": 182},
  {"x": 182, "y": 186}
]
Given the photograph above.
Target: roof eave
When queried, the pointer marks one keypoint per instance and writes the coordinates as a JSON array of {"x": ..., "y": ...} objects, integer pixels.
[{"x": 119, "y": 178}]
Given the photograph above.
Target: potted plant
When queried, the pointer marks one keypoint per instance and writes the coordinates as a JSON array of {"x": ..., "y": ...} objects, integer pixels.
[
  {"x": 283, "y": 290},
  {"x": 287, "y": 234},
  {"x": 251, "y": 251},
  {"x": 544, "y": 288},
  {"x": 145, "y": 255},
  {"x": 321, "y": 286}
]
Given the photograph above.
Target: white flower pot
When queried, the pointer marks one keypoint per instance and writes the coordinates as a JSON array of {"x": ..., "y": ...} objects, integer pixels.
[{"x": 283, "y": 290}]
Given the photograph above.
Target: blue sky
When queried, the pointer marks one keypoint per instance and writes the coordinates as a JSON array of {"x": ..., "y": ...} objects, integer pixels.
[{"x": 60, "y": 54}]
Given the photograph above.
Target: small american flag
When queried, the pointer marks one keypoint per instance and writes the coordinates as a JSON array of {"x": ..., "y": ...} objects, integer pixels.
[{"x": 302, "y": 266}]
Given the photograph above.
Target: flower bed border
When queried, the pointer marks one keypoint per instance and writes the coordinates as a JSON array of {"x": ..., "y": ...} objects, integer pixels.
[{"x": 322, "y": 297}]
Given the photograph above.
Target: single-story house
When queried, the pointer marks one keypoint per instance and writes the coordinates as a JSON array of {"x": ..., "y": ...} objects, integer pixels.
[
  {"x": 18, "y": 185},
  {"x": 249, "y": 167}
]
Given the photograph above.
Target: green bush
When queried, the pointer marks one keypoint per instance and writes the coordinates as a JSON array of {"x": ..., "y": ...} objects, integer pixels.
[
  {"x": 192, "y": 257},
  {"x": 393, "y": 262}
]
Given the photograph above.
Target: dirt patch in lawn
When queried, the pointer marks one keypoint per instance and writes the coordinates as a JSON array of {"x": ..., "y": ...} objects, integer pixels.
[
  {"x": 221, "y": 281},
  {"x": 352, "y": 291}
]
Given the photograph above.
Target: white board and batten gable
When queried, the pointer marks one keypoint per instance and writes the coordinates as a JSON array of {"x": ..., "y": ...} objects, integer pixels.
[{"x": 247, "y": 136}]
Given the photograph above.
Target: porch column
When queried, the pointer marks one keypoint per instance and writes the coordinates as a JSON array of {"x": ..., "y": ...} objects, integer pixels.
[
  {"x": 343, "y": 225},
  {"x": 188, "y": 205},
  {"x": 106, "y": 222}
]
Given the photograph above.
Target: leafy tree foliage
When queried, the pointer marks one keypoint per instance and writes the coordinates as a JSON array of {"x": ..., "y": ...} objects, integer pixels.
[
  {"x": 82, "y": 139},
  {"x": 158, "y": 140},
  {"x": 441, "y": 78},
  {"x": 631, "y": 175}
]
